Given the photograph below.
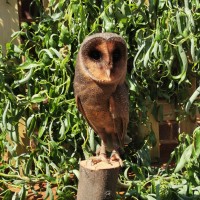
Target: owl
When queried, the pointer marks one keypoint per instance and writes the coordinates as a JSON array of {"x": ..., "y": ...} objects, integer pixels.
[{"x": 101, "y": 93}]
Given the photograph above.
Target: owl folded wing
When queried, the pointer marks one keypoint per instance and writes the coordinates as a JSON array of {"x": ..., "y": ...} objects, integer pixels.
[
  {"x": 80, "y": 108},
  {"x": 118, "y": 104}
]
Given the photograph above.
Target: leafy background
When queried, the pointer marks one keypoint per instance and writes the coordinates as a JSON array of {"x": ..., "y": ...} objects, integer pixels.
[{"x": 36, "y": 90}]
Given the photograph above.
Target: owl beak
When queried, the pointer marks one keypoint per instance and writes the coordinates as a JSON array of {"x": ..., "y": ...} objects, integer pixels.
[{"x": 108, "y": 73}]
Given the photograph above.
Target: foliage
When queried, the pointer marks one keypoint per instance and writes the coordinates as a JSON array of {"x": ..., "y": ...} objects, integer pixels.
[
  {"x": 36, "y": 90},
  {"x": 167, "y": 182}
]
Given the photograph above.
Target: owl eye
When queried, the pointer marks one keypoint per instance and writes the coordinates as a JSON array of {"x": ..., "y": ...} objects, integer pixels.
[
  {"x": 95, "y": 55},
  {"x": 116, "y": 55}
]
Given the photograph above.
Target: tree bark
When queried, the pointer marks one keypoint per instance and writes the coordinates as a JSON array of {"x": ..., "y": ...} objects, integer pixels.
[{"x": 98, "y": 181}]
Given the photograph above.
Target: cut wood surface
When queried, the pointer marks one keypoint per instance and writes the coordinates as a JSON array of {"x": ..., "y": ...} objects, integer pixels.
[{"x": 98, "y": 181}]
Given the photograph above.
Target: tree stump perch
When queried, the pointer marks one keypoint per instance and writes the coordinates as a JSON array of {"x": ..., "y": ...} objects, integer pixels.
[{"x": 98, "y": 181}]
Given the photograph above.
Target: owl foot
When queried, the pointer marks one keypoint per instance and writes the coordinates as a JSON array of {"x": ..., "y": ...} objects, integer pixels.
[
  {"x": 97, "y": 159},
  {"x": 101, "y": 154},
  {"x": 116, "y": 157},
  {"x": 100, "y": 158}
]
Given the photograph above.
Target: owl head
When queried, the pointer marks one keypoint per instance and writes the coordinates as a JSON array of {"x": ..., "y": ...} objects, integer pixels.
[{"x": 103, "y": 56}]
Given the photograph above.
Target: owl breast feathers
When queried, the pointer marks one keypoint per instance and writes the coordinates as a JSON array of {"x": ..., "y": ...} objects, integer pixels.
[{"x": 99, "y": 86}]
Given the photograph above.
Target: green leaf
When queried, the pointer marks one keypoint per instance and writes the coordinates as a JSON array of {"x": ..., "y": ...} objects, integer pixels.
[
  {"x": 37, "y": 98},
  {"x": 31, "y": 124},
  {"x": 183, "y": 65},
  {"x": 76, "y": 173},
  {"x": 43, "y": 126},
  {"x": 91, "y": 139},
  {"x": 107, "y": 22},
  {"x": 192, "y": 99},
  {"x": 22, "y": 193},
  {"x": 57, "y": 16},
  {"x": 149, "y": 197},
  {"x": 185, "y": 158},
  {"x": 28, "y": 65},
  {"x": 196, "y": 138},
  {"x": 56, "y": 52},
  {"x": 47, "y": 51},
  {"x": 138, "y": 172},
  {"x": 62, "y": 131}
]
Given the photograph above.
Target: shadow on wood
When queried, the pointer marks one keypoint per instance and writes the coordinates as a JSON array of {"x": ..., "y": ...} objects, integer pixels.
[{"x": 98, "y": 181}]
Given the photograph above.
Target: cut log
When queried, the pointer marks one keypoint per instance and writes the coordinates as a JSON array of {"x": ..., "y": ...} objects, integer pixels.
[{"x": 98, "y": 181}]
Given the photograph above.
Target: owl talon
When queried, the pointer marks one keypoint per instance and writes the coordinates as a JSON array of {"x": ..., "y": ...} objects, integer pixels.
[
  {"x": 101, "y": 158},
  {"x": 115, "y": 157}
]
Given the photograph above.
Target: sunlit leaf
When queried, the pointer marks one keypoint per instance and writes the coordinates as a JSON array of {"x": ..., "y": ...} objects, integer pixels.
[{"x": 186, "y": 156}]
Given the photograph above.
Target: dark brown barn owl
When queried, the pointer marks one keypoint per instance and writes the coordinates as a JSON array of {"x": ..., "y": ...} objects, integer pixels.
[{"x": 100, "y": 91}]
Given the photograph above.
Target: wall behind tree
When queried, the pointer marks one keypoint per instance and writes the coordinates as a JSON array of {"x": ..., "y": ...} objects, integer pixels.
[{"x": 9, "y": 21}]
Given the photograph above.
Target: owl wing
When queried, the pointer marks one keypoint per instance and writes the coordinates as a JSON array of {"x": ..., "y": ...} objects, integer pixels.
[
  {"x": 119, "y": 108},
  {"x": 80, "y": 108}
]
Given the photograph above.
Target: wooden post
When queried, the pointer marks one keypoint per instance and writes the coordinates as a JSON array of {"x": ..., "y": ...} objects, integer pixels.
[{"x": 98, "y": 181}]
